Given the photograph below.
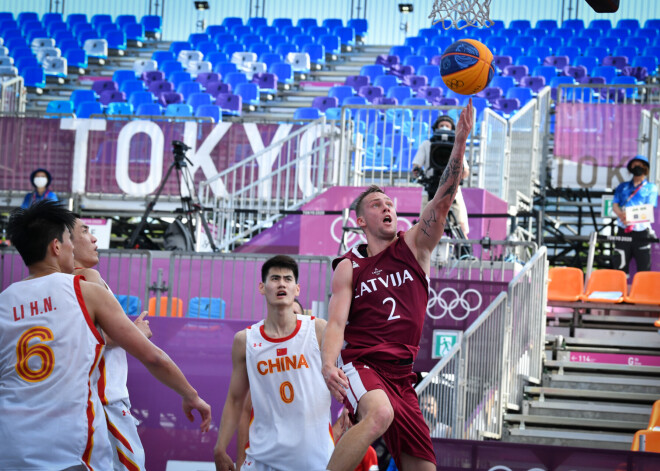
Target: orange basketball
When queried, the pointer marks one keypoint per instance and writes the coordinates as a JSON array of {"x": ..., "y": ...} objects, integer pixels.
[{"x": 467, "y": 66}]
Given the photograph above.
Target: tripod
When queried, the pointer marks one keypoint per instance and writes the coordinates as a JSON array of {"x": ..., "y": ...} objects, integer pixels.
[{"x": 188, "y": 206}]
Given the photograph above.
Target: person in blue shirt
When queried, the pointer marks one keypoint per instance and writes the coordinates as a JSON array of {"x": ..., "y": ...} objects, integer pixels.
[
  {"x": 40, "y": 180},
  {"x": 635, "y": 238}
]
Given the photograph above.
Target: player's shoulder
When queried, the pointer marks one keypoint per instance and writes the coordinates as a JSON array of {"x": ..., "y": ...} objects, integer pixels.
[{"x": 91, "y": 275}]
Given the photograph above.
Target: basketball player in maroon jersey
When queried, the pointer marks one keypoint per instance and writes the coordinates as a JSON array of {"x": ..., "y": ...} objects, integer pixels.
[{"x": 376, "y": 314}]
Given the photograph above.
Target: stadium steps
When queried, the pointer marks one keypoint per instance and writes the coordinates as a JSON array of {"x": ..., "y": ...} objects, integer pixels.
[{"x": 581, "y": 403}]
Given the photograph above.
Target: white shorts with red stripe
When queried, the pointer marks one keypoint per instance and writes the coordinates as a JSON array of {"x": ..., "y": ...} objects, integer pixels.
[{"x": 127, "y": 451}]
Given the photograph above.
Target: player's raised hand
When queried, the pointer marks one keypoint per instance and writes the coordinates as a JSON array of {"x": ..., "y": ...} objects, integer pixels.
[
  {"x": 465, "y": 122},
  {"x": 202, "y": 407},
  {"x": 143, "y": 325},
  {"x": 336, "y": 381},
  {"x": 222, "y": 461}
]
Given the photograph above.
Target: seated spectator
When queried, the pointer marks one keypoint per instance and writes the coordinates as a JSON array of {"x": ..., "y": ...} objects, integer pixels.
[{"x": 40, "y": 180}]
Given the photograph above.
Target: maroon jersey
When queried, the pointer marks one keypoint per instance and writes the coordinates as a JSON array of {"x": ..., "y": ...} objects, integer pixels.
[{"x": 390, "y": 294}]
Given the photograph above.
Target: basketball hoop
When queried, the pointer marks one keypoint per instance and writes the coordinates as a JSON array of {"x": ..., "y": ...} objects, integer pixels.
[{"x": 472, "y": 12}]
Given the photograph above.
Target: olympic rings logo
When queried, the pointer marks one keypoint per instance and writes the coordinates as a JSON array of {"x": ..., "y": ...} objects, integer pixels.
[
  {"x": 448, "y": 303},
  {"x": 336, "y": 230}
]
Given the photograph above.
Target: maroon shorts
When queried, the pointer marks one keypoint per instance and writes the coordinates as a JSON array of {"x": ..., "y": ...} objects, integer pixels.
[{"x": 408, "y": 432}]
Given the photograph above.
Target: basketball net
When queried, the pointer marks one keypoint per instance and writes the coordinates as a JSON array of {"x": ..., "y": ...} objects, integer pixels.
[{"x": 473, "y": 12}]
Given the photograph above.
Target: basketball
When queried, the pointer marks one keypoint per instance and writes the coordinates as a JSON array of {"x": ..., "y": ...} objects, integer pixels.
[{"x": 466, "y": 66}]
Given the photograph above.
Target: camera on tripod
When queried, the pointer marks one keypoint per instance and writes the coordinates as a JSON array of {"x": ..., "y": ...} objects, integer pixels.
[
  {"x": 179, "y": 151},
  {"x": 442, "y": 143}
]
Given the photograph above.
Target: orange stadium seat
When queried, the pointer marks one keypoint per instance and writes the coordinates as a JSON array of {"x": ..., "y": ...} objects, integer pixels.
[
  {"x": 606, "y": 286},
  {"x": 654, "y": 420},
  {"x": 566, "y": 284},
  {"x": 175, "y": 311},
  {"x": 651, "y": 439},
  {"x": 645, "y": 288}
]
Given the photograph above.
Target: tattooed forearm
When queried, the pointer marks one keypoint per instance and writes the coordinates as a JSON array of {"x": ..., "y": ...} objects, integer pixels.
[
  {"x": 428, "y": 223},
  {"x": 451, "y": 177}
]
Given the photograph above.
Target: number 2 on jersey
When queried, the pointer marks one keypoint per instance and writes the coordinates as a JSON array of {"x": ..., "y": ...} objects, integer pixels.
[
  {"x": 24, "y": 351},
  {"x": 392, "y": 315}
]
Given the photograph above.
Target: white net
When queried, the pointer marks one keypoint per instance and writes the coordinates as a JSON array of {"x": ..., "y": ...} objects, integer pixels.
[{"x": 450, "y": 12}]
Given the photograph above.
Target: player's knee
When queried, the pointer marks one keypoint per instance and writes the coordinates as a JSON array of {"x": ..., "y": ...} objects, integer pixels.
[{"x": 380, "y": 418}]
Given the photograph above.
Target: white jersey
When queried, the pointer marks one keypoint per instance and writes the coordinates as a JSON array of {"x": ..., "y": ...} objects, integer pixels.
[
  {"x": 50, "y": 414},
  {"x": 113, "y": 374},
  {"x": 290, "y": 428}
]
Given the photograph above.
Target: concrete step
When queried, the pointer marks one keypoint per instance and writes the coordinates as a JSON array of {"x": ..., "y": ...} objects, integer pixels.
[
  {"x": 568, "y": 366},
  {"x": 607, "y": 396},
  {"x": 600, "y": 382},
  {"x": 587, "y": 410},
  {"x": 575, "y": 438},
  {"x": 573, "y": 423},
  {"x": 615, "y": 338}
]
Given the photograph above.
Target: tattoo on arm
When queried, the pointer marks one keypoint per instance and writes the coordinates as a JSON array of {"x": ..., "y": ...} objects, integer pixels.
[
  {"x": 452, "y": 174},
  {"x": 428, "y": 223}
]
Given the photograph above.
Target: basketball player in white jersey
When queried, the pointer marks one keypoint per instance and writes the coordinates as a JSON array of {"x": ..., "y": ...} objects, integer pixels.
[
  {"x": 127, "y": 450},
  {"x": 50, "y": 343},
  {"x": 279, "y": 361}
]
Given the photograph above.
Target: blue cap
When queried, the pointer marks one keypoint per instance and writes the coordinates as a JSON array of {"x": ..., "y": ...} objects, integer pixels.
[{"x": 641, "y": 158}]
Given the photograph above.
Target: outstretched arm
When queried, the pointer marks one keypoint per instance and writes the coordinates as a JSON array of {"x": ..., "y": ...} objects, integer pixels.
[
  {"x": 333, "y": 338},
  {"x": 238, "y": 389},
  {"x": 426, "y": 234}
]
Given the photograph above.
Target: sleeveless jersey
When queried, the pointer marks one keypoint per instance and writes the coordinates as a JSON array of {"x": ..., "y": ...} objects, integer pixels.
[
  {"x": 50, "y": 413},
  {"x": 290, "y": 428},
  {"x": 390, "y": 294},
  {"x": 113, "y": 374}
]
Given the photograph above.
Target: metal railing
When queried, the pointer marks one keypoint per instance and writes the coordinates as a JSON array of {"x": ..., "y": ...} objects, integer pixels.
[
  {"x": 494, "y": 157},
  {"x": 235, "y": 279},
  {"x": 619, "y": 94},
  {"x": 255, "y": 192},
  {"x": 465, "y": 395},
  {"x": 379, "y": 143},
  {"x": 12, "y": 95}
]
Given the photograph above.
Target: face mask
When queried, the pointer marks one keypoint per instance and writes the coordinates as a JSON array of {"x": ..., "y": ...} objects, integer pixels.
[
  {"x": 40, "y": 182},
  {"x": 637, "y": 171}
]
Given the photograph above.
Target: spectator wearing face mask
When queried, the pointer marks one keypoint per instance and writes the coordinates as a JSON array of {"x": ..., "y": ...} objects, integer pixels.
[
  {"x": 635, "y": 238},
  {"x": 40, "y": 180}
]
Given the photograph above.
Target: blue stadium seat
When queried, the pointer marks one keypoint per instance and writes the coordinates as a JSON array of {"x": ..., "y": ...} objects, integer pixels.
[
  {"x": 502, "y": 82},
  {"x": 188, "y": 87},
  {"x": 429, "y": 71},
  {"x": 598, "y": 52},
  {"x": 546, "y": 71},
  {"x": 386, "y": 81},
  {"x": 209, "y": 111},
  {"x": 531, "y": 62},
  {"x": 625, "y": 51},
  {"x": 569, "y": 51},
  {"x": 231, "y": 48},
  {"x": 576, "y": 23},
  {"x": 78, "y": 96},
  {"x": 123, "y": 20},
  {"x": 360, "y": 25},
  {"x": 148, "y": 109},
  {"x": 307, "y": 23},
  {"x": 608, "y": 43},
  {"x": 152, "y": 25},
  {"x": 177, "y": 78},
  {"x": 119, "y": 108},
  {"x": 521, "y": 93},
  {"x": 429, "y": 52},
  {"x": 601, "y": 24},
  {"x": 589, "y": 62},
  {"x": 169, "y": 67},
  {"x": 285, "y": 48},
  {"x": 179, "y": 110},
  {"x": 415, "y": 42},
  {"x": 234, "y": 78},
  {"x": 206, "y": 48},
  {"x": 163, "y": 56},
  {"x": 512, "y": 51},
  {"x": 281, "y": 23},
  {"x": 197, "y": 99},
  {"x": 249, "y": 92},
  {"x": 332, "y": 23},
  {"x": 224, "y": 38},
  {"x": 522, "y": 25},
  {"x": 178, "y": 46},
  {"x": 539, "y": 51},
  {"x": 283, "y": 70},
  {"x": 60, "y": 106},
  {"x": 274, "y": 39},
  {"x": 256, "y": 21},
  {"x": 630, "y": 92},
  {"x": 341, "y": 92},
  {"x": 134, "y": 32},
  {"x": 87, "y": 108},
  {"x": 331, "y": 43},
  {"x": 116, "y": 40},
  {"x": 307, "y": 113},
  {"x": 213, "y": 30},
  {"x": 138, "y": 98},
  {"x": 606, "y": 71},
  {"x": 316, "y": 53},
  {"x": 231, "y": 21},
  {"x": 196, "y": 38},
  {"x": 648, "y": 61},
  {"x": 260, "y": 49},
  {"x": 224, "y": 68},
  {"x": 130, "y": 86},
  {"x": 496, "y": 43},
  {"x": 629, "y": 23},
  {"x": 441, "y": 42},
  {"x": 216, "y": 58},
  {"x": 400, "y": 92},
  {"x": 415, "y": 61}
]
